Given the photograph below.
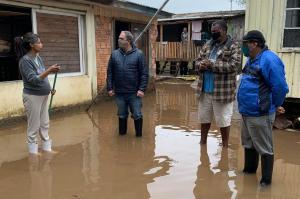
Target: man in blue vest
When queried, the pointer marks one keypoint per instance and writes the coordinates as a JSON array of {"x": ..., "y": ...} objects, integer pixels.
[{"x": 261, "y": 93}]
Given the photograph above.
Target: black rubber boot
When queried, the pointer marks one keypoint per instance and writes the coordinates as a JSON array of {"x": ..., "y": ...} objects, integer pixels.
[
  {"x": 122, "y": 126},
  {"x": 267, "y": 162},
  {"x": 251, "y": 161},
  {"x": 138, "y": 124}
]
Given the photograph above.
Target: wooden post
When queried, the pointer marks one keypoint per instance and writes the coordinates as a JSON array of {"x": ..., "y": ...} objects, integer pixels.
[
  {"x": 189, "y": 41},
  {"x": 161, "y": 32},
  {"x": 189, "y": 31}
]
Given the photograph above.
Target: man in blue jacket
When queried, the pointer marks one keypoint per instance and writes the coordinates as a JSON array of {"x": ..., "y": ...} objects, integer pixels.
[
  {"x": 127, "y": 79},
  {"x": 261, "y": 93}
]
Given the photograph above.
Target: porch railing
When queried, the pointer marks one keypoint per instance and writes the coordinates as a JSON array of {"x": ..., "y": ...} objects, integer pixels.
[{"x": 187, "y": 51}]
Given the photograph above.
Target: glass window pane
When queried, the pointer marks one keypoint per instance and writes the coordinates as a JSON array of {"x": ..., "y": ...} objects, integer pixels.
[
  {"x": 291, "y": 38},
  {"x": 292, "y": 18},
  {"x": 293, "y": 4}
]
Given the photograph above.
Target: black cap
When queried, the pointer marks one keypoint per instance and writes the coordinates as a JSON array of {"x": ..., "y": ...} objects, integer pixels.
[{"x": 254, "y": 35}]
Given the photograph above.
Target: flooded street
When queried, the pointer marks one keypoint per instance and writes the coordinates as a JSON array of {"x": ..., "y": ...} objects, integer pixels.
[{"x": 94, "y": 162}]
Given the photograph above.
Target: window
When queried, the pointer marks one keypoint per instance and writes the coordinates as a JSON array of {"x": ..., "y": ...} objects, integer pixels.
[
  {"x": 61, "y": 36},
  {"x": 172, "y": 32},
  {"x": 61, "y": 33},
  {"x": 292, "y": 24},
  {"x": 14, "y": 21}
]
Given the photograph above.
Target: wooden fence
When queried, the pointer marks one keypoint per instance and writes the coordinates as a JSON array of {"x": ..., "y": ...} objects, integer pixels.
[{"x": 187, "y": 51}]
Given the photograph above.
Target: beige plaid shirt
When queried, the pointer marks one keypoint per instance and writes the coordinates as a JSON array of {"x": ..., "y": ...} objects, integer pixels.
[{"x": 224, "y": 69}]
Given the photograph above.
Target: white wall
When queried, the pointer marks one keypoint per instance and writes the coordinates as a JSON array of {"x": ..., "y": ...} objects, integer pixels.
[{"x": 69, "y": 91}]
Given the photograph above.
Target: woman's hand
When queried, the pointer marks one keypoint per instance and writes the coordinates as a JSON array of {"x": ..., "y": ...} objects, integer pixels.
[
  {"x": 54, "y": 68},
  {"x": 53, "y": 92}
]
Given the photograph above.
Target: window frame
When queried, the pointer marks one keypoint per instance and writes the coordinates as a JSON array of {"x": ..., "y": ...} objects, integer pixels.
[
  {"x": 81, "y": 35},
  {"x": 288, "y": 49}
]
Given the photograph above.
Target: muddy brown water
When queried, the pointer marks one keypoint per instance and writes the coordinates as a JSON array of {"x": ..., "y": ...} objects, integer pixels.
[{"x": 93, "y": 162}]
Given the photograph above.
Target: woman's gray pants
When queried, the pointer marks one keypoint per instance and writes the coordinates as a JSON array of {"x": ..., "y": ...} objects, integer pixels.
[{"x": 36, "y": 108}]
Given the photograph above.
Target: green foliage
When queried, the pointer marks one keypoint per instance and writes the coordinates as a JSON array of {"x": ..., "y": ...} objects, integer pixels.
[{"x": 240, "y": 2}]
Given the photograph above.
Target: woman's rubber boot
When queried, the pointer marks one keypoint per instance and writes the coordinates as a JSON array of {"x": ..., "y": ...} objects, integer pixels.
[
  {"x": 267, "y": 162},
  {"x": 33, "y": 148},
  {"x": 138, "y": 124},
  {"x": 122, "y": 126},
  {"x": 251, "y": 161},
  {"x": 47, "y": 146}
]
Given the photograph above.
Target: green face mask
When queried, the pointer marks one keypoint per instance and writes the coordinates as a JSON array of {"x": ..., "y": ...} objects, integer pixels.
[{"x": 245, "y": 50}]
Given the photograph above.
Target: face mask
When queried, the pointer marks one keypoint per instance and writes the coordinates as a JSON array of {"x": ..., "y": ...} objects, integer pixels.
[
  {"x": 215, "y": 35},
  {"x": 122, "y": 44},
  {"x": 246, "y": 50}
]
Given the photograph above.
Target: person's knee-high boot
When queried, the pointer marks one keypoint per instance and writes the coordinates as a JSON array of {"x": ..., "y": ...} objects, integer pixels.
[
  {"x": 267, "y": 162},
  {"x": 122, "y": 126},
  {"x": 251, "y": 161},
  {"x": 138, "y": 124}
]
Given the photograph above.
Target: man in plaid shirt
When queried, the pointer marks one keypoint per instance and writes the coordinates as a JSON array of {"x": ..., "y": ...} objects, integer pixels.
[{"x": 218, "y": 63}]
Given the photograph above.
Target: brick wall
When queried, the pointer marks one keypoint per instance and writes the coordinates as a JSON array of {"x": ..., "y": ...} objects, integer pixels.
[
  {"x": 153, "y": 36},
  {"x": 103, "y": 48}
]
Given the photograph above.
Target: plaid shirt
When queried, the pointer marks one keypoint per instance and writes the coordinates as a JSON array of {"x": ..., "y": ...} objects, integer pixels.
[{"x": 224, "y": 69}]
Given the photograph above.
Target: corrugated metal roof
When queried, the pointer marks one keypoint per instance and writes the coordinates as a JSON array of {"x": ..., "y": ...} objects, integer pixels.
[
  {"x": 140, "y": 8},
  {"x": 204, "y": 15},
  {"x": 124, "y": 4}
]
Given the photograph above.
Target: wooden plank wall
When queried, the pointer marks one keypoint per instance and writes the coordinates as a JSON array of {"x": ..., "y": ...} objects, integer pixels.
[{"x": 60, "y": 37}]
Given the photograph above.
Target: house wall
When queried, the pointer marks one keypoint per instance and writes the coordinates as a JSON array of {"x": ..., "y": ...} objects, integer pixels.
[
  {"x": 104, "y": 41},
  {"x": 11, "y": 94},
  {"x": 71, "y": 89},
  {"x": 268, "y": 16}
]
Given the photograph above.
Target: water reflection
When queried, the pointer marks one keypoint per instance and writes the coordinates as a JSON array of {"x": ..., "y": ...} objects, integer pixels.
[
  {"x": 41, "y": 179},
  {"x": 168, "y": 162},
  {"x": 213, "y": 174},
  {"x": 127, "y": 164},
  {"x": 176, "y": 106}
]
